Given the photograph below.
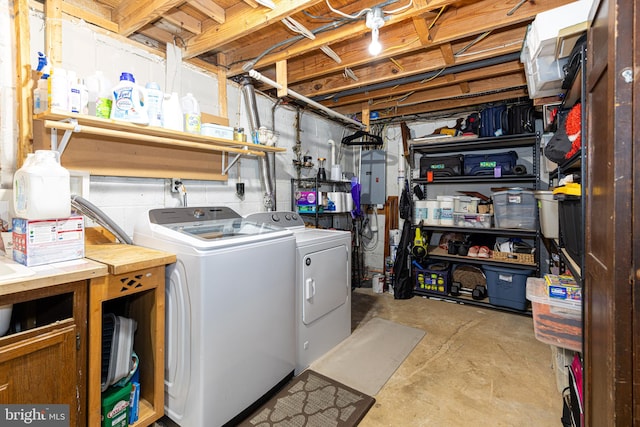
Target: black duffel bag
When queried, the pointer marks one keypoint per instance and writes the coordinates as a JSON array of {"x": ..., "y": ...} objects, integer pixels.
[{"x": 485, "y": 164}]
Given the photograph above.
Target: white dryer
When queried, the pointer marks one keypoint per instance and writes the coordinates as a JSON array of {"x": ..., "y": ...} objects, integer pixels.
[
  {"x": 230, "y": 335},
  {"x": 323, "y": 285}
]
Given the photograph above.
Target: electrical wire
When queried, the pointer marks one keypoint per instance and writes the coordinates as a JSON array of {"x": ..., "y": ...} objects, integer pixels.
[{"x": 370, "y": 235}]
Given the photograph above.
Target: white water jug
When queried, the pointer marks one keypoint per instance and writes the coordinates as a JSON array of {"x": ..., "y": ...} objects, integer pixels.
[
  {"x": 41, "y": 188},
  {"x": 172, "y": 112}
]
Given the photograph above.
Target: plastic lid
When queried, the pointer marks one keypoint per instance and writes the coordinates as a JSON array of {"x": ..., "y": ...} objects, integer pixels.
[
  {"x": 127, "y": 76},
  {"x": 153, "y": 85}
]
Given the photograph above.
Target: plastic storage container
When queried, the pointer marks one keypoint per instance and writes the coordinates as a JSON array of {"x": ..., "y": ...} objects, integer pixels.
[
  {"x": 556, "y": 322},
  {"x": 217, "y": 131},
  {"x": 434, "y": 278},
  {"x": 506, "y": 287},
  {"x": 515, "y": 209},
  {"x": 446, "y": 210},
  {"x": 465, "y": 204},
  {"x": 41, "y": 188},
  {"x": 570, "y": 212},
  {"x": 472, "y": 220},
  {"x": 548, "y": 210}
]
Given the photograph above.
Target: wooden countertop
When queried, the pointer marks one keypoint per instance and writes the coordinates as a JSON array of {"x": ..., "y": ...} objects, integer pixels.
[
  {"x": 100, "y": 260},
  {"x": 53, "y": 274},
  {"x": 120, "y": 258}
]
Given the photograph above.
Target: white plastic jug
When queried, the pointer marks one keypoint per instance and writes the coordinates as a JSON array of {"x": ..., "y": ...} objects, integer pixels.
[
  {"x": 41, "y": 188},
  {"x": 128, "y": 101},
  {"x": 172, "y": 112},
  {"x": 154, "y": 103},
  {"x": 191, "y": 111},
  {"x": 99, "y": 90}
]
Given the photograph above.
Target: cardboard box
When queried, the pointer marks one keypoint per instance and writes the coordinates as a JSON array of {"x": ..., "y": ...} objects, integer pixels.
[
  {"x": 305, "y": 198},
  {"x": 37, "y": 242},
  {"x": 115, "y": 406},
  {"x": 563, "y": 287}
]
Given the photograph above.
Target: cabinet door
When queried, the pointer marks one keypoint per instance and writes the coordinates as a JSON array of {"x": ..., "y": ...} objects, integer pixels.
[{"x": 39, "y": 367}]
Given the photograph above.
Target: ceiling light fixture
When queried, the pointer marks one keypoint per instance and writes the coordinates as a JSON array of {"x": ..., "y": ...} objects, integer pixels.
[{"x": 375, "y": 21}]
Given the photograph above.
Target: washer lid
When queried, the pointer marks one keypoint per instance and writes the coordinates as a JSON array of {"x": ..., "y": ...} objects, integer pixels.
[{"x": 209, "y": 223}]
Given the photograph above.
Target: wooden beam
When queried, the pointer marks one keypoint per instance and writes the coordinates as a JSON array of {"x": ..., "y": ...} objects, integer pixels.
[
  {"x": 90, "y": 17},
  {"x": 211, "y": 9},
  {"x": 184, "y": 20},
  {"x": 133, "y": 15},
  {"x": 366, "y": 115},
  {"x": 222, "y": 87},
  {"x": 281, "y": 78},
  {"x": 385, "y": 94},
  {"x": 447, "y": 54},
  {"x": 24, "y": 80},
  {"x": 53, "y": 31},
  {"x": 422, "y": 29},
  {"x": 242, "y": 21}
]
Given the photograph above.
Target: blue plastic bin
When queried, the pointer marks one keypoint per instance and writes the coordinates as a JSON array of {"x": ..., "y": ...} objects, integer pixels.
[{"x": 507, "y": 287}]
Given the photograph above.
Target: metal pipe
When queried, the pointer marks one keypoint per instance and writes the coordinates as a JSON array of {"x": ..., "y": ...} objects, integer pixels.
[
  {"x": 265, "y": 169},
  {"x": 416, "y": 78},
  {"x": 248, "y": 91},
  {"x": 256, "y": 75}
]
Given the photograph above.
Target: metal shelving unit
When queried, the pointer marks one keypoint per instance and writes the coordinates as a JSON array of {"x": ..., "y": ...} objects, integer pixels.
[{"x": 530, "y": 179}]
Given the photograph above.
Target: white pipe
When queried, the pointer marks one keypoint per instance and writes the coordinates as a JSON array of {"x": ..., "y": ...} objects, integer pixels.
[
  {"x": 256, "y": 75},
  {"x": 334, "y": 160}
]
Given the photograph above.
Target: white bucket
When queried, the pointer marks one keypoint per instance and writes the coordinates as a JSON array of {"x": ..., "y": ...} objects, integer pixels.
[
  {"x": 548, "y": 209},
  {"x": 446, "y": 210},
  {"x": 420, "y": 211},
  {"x": 377, "y": 283},
  {"x": 41, "y": 188},
  {"x": 433, "y": 212}
]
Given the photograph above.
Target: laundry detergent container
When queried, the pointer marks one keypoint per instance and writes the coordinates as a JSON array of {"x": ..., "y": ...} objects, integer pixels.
[{"x": 507, "y": 287}]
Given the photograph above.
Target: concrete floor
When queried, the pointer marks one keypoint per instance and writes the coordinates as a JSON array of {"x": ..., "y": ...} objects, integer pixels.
[{"x": 474, "y": 367}]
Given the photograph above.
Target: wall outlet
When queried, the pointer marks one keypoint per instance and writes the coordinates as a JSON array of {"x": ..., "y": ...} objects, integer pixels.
[{"x": 176, "y": 183}]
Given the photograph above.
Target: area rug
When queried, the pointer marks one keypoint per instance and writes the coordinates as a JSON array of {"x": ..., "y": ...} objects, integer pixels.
[
  {"x": 366, "y": 360},
  {"x": 312, "y": 400}
]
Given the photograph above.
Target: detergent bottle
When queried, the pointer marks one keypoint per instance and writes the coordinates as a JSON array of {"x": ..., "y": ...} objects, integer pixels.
[
  {"x": 128, "y": 101},
  {"x": 154, "y": 103},
  {"x": 41, "y": 188},
  {"x": 99, "y": 89},
  {"x": 172, "y": 112},
  {"x": 191, "y": 111}
]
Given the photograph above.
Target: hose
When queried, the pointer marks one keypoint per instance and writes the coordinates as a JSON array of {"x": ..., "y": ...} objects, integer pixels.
[{"x": 88, "y": 209}]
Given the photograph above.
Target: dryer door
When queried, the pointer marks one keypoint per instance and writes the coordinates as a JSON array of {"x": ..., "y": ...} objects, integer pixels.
[{"x": 325, "y": 281}]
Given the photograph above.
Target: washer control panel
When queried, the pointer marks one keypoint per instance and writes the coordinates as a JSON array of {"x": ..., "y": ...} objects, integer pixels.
[{"x": 284, "y": 219}]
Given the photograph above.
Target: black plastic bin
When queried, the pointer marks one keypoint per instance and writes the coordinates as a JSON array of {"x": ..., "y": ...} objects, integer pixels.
[{"x": 570, "y": 214}]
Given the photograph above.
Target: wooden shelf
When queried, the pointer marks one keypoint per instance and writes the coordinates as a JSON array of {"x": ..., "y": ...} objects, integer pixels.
[
  {"x": 117, "y": 148},
  {"x": 436, "y": 252}
]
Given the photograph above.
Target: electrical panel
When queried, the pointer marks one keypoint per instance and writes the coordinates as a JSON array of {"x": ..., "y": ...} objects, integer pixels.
[{"x": 373, "y": 169}]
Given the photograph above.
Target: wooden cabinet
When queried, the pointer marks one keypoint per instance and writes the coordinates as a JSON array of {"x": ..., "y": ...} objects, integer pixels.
[
  {"x": 136, "y": 286},
  {"x": 43, "y": 356}
]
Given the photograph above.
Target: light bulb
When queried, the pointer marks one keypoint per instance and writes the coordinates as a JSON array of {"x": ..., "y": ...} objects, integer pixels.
[{"x": 375, "y": 47}]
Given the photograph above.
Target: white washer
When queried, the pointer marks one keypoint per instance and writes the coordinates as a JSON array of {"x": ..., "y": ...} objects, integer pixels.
[
  {"x": 323, "y": 286},
  {"x": 230, "y": 334}
]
